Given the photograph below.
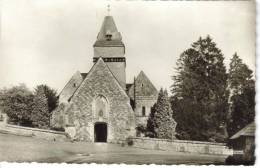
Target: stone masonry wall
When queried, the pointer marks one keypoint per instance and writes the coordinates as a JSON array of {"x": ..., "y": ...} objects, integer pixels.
[
  {"x": 35, "y": 132},
  {"x": 117, "y": 68},
  {"x": 145, "y": 95},
  {"x": 141, "y": 102},
  {"x": 109, "y": 51},
  {"x": 120, "y": 121},
  {"x": 182, "y": 146}
]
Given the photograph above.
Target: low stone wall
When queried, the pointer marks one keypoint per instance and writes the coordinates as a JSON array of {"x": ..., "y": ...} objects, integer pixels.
[
  {"x": 35, "y": 132},
  {"x": 182, "y": 146}
]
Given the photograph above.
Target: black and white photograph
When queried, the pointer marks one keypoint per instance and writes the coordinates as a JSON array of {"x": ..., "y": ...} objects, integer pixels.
[{"x": 128, "y": 82}]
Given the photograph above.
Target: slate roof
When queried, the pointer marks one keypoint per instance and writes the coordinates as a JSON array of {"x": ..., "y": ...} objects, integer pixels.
[
  {"x": 115, "y": 43},
  {"x": 248, "y": 130},
  {"x": 76, "y": 75},
  {"x": 108, "y": 27},
  {"x": 99, "y": 63},
  {"x": 143, "y": 87},
  {"x": 128, "y": 86},
  {"x": 84, "y": 75}
]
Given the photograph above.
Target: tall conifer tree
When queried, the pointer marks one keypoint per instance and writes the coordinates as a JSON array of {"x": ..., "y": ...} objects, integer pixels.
[
  {"x": 200, "y": 95},
  {"x": 242, "y": 99},
  {"x": 40, "y": 113},
  {"x": 161, "y": 123}
]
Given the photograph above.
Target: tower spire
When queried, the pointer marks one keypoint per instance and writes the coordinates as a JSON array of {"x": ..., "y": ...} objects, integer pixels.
[{"x": 110, "y": 47}]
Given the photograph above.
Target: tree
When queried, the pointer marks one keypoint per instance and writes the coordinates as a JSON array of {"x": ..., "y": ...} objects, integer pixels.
[
  {"x": 242, "y": 99},
  {"x": 161, "y": 123},
  {"x": 239, "y": 75},
  {"x": 200, "y": 94},
  {"x": 16, "y": 102},
  {"x": 40, "y": 114},
  {"x": 51, "y": 95}
]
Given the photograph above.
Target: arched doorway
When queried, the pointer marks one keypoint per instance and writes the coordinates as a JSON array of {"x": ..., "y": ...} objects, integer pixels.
[{"x": 100, "y": 132}]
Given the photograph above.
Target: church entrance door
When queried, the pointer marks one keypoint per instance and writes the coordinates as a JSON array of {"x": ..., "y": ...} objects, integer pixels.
[{"x": 100, "y": 132}]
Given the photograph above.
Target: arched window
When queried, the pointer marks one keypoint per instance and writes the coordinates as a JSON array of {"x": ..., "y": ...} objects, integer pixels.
[
  {"x": 143, "y": 111},
  {"x": 101, "y": 106}
]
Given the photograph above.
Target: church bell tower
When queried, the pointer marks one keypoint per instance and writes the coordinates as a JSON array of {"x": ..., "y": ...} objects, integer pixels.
[{"x": 110, "y": 47}]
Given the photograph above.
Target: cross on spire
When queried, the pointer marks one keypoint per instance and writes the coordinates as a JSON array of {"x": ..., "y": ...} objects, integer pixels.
[{"x": 108, "y": 9}]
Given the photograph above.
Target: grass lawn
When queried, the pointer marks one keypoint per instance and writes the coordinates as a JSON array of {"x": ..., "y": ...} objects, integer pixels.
[{"x": 26, "y": 149}]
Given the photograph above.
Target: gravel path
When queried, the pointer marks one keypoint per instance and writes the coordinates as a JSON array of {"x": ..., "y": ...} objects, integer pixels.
[{"x": 26, "y": 149}]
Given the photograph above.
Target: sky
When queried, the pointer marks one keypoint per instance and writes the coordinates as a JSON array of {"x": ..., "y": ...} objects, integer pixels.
[{"x": 47, "y": 41}]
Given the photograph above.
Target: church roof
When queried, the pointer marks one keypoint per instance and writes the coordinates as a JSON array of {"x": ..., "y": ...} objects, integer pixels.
[
  {"x": 142, "y": 87},
  {"x": 71, "y": 86},
  {"x": 248, "y": 130},
  {"x": 108, "y": 28},
  {"x": 76, "y": 77},
  {"x": 84, "y": 75},
  {"x": 102, "y": 43},
  {"x": 100, "y": 64},
  {"x": 128, "y": 87}
]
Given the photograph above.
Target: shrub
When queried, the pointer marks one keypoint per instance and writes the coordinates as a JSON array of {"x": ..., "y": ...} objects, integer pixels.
[
  {"x": 140, "y": 129},
  {"x": 129, "y": 141},
  {"x": 16, "y": 102},
  {"x": 239, "y": 160}
]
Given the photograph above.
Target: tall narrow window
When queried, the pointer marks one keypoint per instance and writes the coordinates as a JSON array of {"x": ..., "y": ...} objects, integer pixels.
[{"x": 143, "y": 111}]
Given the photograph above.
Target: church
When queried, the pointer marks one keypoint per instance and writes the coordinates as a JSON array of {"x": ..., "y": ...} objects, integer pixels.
[{"x": 99, "y": 106}]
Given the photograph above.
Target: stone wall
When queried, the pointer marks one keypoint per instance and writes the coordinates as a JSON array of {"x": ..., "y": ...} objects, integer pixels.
[
  {"x": 34, "y": 132},
  {"x": 182, "y": 146},
  {"x": 144, "y": 94},
  {"x": 81, "y": 109},
  {"x": 141, "y": 102},
  {"x": 117, "y": 68},
  {"x": 109, "y": 51}
]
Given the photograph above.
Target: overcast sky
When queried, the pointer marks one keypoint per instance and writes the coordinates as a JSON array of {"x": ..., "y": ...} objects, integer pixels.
[{"x": 47, "y": 41}]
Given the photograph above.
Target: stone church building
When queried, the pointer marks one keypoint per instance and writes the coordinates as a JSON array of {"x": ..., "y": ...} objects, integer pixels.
[{"x": 99, "y": 106}]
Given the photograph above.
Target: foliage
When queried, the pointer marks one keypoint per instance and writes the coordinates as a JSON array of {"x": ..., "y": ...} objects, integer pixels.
[
  {"x": 16, "y": 102},
  {"x": 40, "y": 114},
  {"x": 239, "y": 74},
  {"x": 200, "y": 95},
  {"x": 51, "y": 95},
  {"x": 161, "y": 123},
  {"x": 21, "y": 105},
  {"x": 246, "y": 159},
  {"x": 242, "y": 87},
  {"x": 129, "y": 141},
  {"x": 140, "y": 129}
]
